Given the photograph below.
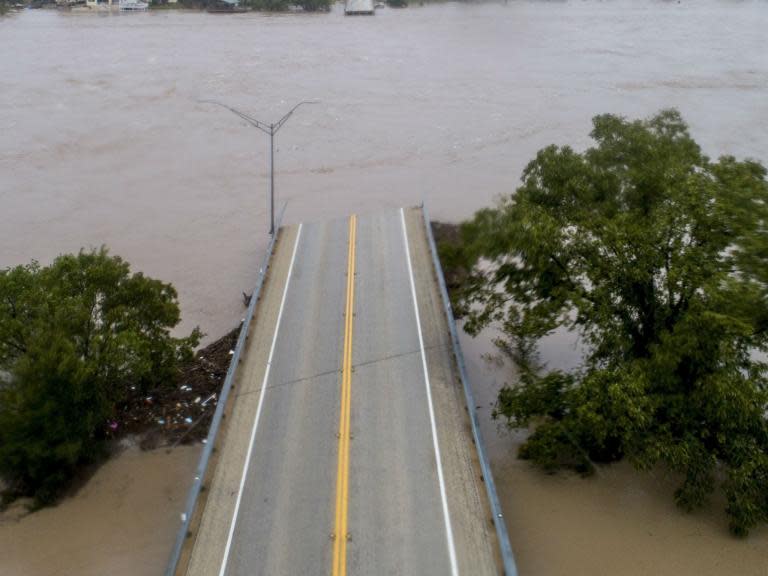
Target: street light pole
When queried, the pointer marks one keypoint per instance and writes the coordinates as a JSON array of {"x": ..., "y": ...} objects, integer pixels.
[
  {"x": 271, "y": 130},
  {"x": 271, "y": 179}
]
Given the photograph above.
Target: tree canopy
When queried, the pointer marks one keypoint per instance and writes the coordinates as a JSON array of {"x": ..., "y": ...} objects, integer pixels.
[
  {"x": 657, "y": 257},
  {"x": 75, "y": 338}
]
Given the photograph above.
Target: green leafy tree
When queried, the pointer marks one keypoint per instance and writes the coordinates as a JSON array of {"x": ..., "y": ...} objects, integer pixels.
[
  {"x": 268, "y": 5},
  {"x": 74, "y": 338},
  {"x": 314, "y": 5},
  {"x": 657, "y": 257}
]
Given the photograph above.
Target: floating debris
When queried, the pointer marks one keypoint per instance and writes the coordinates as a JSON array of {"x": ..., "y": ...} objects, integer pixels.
[{"x": 179, "y": 410}]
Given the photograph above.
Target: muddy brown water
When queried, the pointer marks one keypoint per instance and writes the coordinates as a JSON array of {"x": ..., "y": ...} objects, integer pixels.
[
  {"x": 121, "y": 523},
  {"x": 103, "y": 140}
]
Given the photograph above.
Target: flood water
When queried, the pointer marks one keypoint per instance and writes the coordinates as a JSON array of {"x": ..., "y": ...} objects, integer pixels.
[{"x": 103, "y": 140}]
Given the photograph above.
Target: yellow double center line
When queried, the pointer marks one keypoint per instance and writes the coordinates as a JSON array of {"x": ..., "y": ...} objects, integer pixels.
[{"x": 341, "y": 533}]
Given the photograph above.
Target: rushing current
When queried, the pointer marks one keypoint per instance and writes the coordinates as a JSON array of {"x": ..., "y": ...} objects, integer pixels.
[{"x": 104, "y": 140}]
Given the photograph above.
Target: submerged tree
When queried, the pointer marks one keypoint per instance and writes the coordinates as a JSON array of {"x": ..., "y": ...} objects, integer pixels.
[
  {"x": 74, "y": 338},
  {"x": 657, "y": 257}
]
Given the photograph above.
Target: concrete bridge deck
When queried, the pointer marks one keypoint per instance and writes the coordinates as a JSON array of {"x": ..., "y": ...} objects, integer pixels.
[{"x": 346, "y": 448}]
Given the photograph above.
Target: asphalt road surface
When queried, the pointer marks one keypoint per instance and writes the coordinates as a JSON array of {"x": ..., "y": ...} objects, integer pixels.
[{"x": 347, "y": 449}]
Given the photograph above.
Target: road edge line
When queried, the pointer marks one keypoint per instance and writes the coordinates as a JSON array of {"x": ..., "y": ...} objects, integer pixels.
[
  {"x": 435, "y": 442},
  {"x": 258, "y": 409},
  {"x": 507, "y": 556},
  {"x": 183, "y": 533}
]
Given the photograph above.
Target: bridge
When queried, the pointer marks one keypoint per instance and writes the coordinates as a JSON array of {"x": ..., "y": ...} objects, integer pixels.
[{"x": 346, "y": 446}]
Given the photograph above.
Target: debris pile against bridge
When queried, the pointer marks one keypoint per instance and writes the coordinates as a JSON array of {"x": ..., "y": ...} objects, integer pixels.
[{"x": 182, "y": 411}]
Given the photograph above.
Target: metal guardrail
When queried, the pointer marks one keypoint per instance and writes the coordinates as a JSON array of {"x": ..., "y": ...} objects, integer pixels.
[
  {"x": 197, "y": 484},
  {"x": 507, "y": 558}
]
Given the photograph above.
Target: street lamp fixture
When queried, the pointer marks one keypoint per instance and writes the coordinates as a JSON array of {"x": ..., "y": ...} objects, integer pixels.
[{"x": 271, "y": 130}]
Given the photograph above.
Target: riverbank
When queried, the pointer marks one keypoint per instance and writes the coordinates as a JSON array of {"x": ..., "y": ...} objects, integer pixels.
[{"x": 194, "y": 6}]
